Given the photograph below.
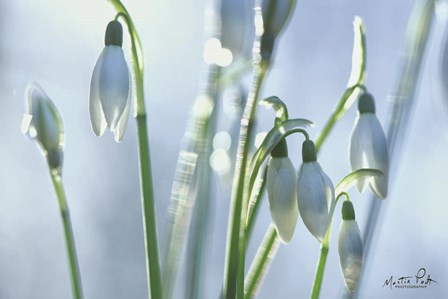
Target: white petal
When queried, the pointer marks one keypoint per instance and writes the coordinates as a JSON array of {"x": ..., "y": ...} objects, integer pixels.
[
  {"x": 114, "y": 84},
  {"x": 97, "y": 119},
  {"x": 380, "y": 157},
  {"x": 358, "y": 142},
  {"x": 329, "y": 192},
  {"x": 350, "y": 252},
  {"x": 281, "y": 179},
  {"x": 123, "y": 122},
  {"x": 368, "y": 149},
  {"x": 312, "y": 199}
]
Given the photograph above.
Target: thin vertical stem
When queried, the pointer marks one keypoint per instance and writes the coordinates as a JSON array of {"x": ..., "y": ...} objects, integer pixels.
[
  {"x": 321, "y": 265},
  {"x": 266, "y": 252},
  {"x": 149, "y": 217},
  {"x": 68, "y": 232},
  {"x": 233, "y": 257},
  {"x": 146, "y": 182}
]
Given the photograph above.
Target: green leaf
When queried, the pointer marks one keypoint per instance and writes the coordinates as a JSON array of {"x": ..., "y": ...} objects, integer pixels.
[{"x": 351, "y": 179}]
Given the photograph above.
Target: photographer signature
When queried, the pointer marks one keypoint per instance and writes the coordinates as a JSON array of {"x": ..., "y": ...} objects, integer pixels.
[{"x": 420, "y": 280}]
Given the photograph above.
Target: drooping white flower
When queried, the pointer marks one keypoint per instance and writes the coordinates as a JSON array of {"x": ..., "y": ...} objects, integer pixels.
[
  {"x": 110, "y": 88},
  {"x": 368, "y": 147},
  {"x": 280, "y": 181},
  {"x": 43, "y": 122},
  {"x": 315, "y": 193},
  {"x": 350, "y": 247}
]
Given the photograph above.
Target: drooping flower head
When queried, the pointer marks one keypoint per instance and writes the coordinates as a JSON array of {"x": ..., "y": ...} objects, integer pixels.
[
  {"x": 315, "y": 193},
  {"x": 110, "y": 88},
  {"x": 280, "y": 181},
  {"x": 350, "y": 247},
  {"x": 43, "y": 122},
  {"x": 368, "y": 146}
]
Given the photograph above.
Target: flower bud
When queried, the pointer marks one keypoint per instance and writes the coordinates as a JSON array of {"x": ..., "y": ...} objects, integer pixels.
[
  {"x": 315, "y": 194},
  {"x": 110, "y": 87},
  {"x": 280, "y": 183},
  {"x": 43, "y": 122},
  {"x": 350, "y": 247},
  {"x": 368, "y": 146}
]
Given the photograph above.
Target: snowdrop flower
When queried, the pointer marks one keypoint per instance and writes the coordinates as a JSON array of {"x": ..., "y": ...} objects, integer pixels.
[
  {"x": 368, "y": 146},
  {"x": 315, "y": 193},
  {"x": 350, "y": 247},
  {"x": 280, "y": 181},
  {"x": 110, "y": 88},
  {"x": 43, "y": 122}
]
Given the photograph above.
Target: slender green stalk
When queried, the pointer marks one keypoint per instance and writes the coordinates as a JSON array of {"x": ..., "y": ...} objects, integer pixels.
[
  {"x": 68, "y": 232},
  {"x": 234, "y": 260},
  {"x": 265, "y": 253},
  {"x": 255, "y": 203},
  {"x": 146, "y": 182},
  {"x": 337, "y": 114},
  {"x": 321, "y": 265}
]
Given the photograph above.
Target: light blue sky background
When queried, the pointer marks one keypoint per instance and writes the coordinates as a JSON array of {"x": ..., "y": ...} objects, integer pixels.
[{"x": 56, "y": 43}]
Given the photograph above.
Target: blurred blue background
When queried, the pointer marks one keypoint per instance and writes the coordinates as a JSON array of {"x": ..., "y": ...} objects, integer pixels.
[{"x": 56, "y": 43}]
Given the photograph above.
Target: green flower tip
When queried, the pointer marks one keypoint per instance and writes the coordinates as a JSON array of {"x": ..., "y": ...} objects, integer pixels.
[
  {"x": 114, "y": 34},
  {"x": 280, "y": 150},
  {"x": 348, "y": 211},
  {"x": 308, "y": 151},
  {"x": 366, "y": 103}
]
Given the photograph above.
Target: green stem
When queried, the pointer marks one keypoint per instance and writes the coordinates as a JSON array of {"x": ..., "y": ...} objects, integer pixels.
[
  {"x": 321, "y": 265},
  {"x": 265, "y": 253},
  {"x": 149, "y": 217},
  {"x": 146, "y": 182},
  {"x": 323, "y": 254},
  {"x": 337, "y": 114},
  {"x": 69, "y": 238},
  {"x": 234, "y": 264},
  {"x": 255, "y": 202}
]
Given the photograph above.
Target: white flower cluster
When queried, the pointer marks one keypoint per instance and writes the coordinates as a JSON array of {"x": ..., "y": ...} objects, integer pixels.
[{"x": 311, "y": 193}]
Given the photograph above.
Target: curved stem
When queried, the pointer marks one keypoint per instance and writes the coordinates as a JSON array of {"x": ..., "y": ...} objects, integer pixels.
[
  {"x": 146, "y": 182},
  {"x": 337, "y": 113},
  {"x": 68, "y": 232}
]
